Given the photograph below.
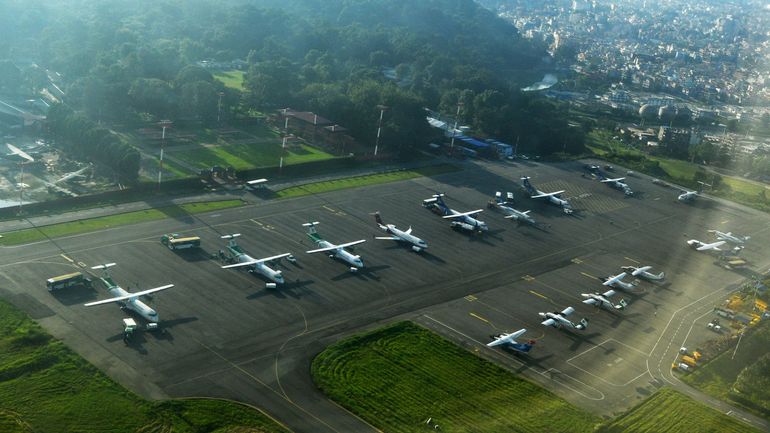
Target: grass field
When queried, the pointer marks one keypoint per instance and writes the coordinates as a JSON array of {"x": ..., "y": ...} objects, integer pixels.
[
  {"x": 87, "y": 225},
  {"x": 44, "y": 387},
  {"x": 357, "y": 181},
  {"x": 671, "y": 411},
  {"x": 398, "y": 376},
  {"x": 232, "y": 79},
  {"x": 247, "y": 156},
  {"x": 718, "y": 376}
]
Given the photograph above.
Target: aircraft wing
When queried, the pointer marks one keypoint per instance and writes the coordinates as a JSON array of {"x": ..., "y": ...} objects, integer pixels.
[
  {"x": 641, "y": 270},
  {"x": 335, "y": 247},
  {"x": 608, "y": 293},
  {"x": 541, "y": 195},
  {"x": 254, "y": 262},
  {"x": 711, "y": 246},
  {"x": 507, "y": 338},
  {"x": 617, "y": 179},
  {"x": 129, "y": 296},
  {"x": 591, "y": 301},
  {"x": 16, "y": 151},
  {"x": 612, "y": 280},
  {"x": 388, "y": 238},
  {"x": 567, "y": 311},
  {"x": 548, "y": 322},
  {"x": 464, "y": 214},
  {"x": 409, "y": 230}
]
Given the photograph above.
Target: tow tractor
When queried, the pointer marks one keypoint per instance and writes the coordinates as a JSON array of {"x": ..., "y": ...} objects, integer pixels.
[{"x": 130, "y": 327}]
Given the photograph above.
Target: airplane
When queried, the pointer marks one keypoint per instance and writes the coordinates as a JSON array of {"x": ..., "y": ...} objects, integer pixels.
[
  {"x": 729, "y": 237},
  {"x": 461, "y": 220},
  {"x": 400, "y": 235},
  {"x": 642, "y": 272},
  {"x": 602, "y": 300},
  {"x": 617, "y": 282},
  {"x": 510, "y": 213},
  {"x": 617, "y": 184},
  {"x": 71, "y": 175},
  {"x": 256, "y": 265},
  {"x": 552, "y": 197},
  {"x": 127, "y": 299},
  {"x": 510, "y": 341},
  {"x": 15, "y": 151},
  {"x": 337, "y": 251},
  {"x": 687, "y": 196},
  {"x": 559, "y": 319},
  {"x": 701, "y": 246}
]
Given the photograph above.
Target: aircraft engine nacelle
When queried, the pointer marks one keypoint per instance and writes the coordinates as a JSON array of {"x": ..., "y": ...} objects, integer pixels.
[
  {"x": 331, "y": 256},
  {"x": 353, "y": 269},
  {"x": 416, "y": 249},
  {"x": 270, "y": 285}
]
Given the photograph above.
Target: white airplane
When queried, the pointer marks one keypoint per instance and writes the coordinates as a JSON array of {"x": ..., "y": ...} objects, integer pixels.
[
  {"x": 552, "y": 197},
  {"x": 505, "y": 207},
  {"x": 617, "y": 184},
  {"x": 18, "y": 152},
  {"x": 255, "y": 265},
  {"x": 643, "y": 272},
  {"x": 688, "y": 196},
  {"x": 559, "y": 320},
  {"x": 509, "y": 340},
  {"x": 400, "y": 235},
  {"x": 460, "y": 220},
  {"x": 127, "y": 299},
  {"x": 602, "y": 300},
  {"x": 337, "y": 251},
  {"x": 729, "y": 237},
  {"x": 617, "y": 282},
  {"x": 701, "y": 246}
]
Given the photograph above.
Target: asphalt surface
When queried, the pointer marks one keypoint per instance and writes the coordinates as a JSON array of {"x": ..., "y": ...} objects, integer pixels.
[{"x": 228, "y": 336}]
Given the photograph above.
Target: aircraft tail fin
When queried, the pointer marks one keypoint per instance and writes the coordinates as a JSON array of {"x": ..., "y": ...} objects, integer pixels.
[
  {"x": 622, "y": 304},
  {"x": 378, "y": 218},
  {"x": 583, "y": 324}
]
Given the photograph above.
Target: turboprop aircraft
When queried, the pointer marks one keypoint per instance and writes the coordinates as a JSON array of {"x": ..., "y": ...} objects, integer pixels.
[
  {"x": 552, "y": 197},
  {"x": 505, "y": 207},
  {"x": 729, "y": 237},
  {"x": 336, "y": 251},
  {"x": 559, "y": 320},
  {"x": 602, "y": 300},
  {"x": 509, "y": 340},
  {"x": 617, "y": 184},
  {"x": 688, "y": 196},
  {"x": 460, "y": 220},
  {"x": 617, "y": 282},
  {"x": 400, "y": 235},
  {"x": 701, "y": 246},
  {"x": 127, "y": 299},
  {"x": 255, "y": 265},
  {"x": 642, "y": 272},
  {"x": 18, "y": 153}
]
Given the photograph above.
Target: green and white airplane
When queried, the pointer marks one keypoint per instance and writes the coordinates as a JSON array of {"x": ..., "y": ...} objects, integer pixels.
[
  {"x": 127, "y": 299},
  {"x": 336, "y": 251}
]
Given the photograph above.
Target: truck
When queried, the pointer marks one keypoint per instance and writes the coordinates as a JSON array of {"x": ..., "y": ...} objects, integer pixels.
[
  {"x": 67, "y": 280},
  {"x": 690, "y": 361},
  {"x": 174, "y": 241}
]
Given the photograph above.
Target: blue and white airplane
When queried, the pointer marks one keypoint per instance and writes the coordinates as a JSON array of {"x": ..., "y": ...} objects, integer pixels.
[
  {"x": 617, "y": 282},
  {"x": 729, "y": 237},
  {"x": 400, "y": 235},
  {"x": 616, "y": 183},
  {"x": 460, "y": 220},
  {"x": 552, "y": 197},
  {"x": 509, "y": 340},
  {"x": 505, "y": 206}
]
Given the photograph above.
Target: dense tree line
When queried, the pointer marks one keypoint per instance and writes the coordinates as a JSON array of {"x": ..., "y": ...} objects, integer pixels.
[
  {"x": 126, "y": 60},
  {"x": 90, "y": 141}
]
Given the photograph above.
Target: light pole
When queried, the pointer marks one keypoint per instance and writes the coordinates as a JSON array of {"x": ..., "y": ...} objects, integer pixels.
[
  {"x": 163, "y": 124},
  {"x": 454, "y": 130},
  {"x": 219, "y": 107},
  {"x": 379, "y": 128}
]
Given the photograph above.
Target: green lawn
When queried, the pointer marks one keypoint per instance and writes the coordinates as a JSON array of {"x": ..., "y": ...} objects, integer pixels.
[
  {"x": 718, "y": 376},
  {"x": 357, "y": 181},
  {"x": 232, "y": 79},
  {"x": 398, "y": 376},
  {"x": 668, "y": 411},
  {"x": 44, "y": 387},
  {"x": 247, "y": 156},
  {"x": 92, "y": 224}
]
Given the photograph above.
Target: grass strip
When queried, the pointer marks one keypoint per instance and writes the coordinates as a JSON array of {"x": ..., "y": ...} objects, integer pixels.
[
  {"x": 670, "y": 411},
  {"x": 92, "y": 224},
  {"x": 45, "y": 387},
  {"x": 399, "y": 376},
  {"x": 232, "y": 79},
  {"x": 358, "y": 181}
]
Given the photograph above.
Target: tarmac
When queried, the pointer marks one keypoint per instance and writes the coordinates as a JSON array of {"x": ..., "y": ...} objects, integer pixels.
[{"x": 225, "y": 335}]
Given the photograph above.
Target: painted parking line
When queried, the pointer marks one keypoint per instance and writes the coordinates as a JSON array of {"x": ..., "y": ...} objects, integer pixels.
[
  {"x": 470, "y": 298},
  {"x": 480, "y": 318},
  {"x": 632, "y": 260},
  {"x": 538, "y": 294},
  {"x": 590, "y": 276},
  {"x": 67, "y": 258}
]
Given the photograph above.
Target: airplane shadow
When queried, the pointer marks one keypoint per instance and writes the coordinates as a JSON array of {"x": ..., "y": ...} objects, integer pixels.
[
  {"x": 620, "y": 318},
  {"x": 293, "y": 289},
  {"x": 194, "y": 255},
  {"x": 364, "y": 274},
  {"x": 579, "y": 339},
  {"x": 75, "y": 295},
  {"x": 136, "y": 342}
]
